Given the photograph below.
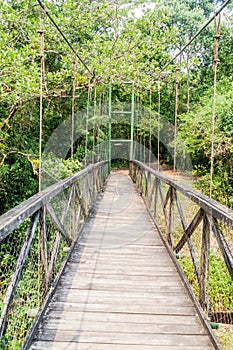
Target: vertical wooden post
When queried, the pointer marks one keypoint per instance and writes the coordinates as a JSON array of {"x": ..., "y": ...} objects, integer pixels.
[
  {"x": 203, "y": 297},
  {"x": 156, "y": 196},
  {"x": 170, "y": 217},
  {"x": 73, "y": 216},
  {"x": 149, "y": 190},
  {"x": 43, "y": 252}
]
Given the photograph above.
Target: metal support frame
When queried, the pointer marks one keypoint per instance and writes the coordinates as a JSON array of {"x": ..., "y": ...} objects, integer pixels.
[{"x": 110, "y": 113}]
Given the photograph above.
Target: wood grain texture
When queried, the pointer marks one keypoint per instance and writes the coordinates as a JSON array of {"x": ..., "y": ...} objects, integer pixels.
[{"x": 120, "y": 289}]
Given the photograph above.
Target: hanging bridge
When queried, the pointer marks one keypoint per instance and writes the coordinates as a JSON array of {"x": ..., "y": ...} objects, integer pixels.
[
  {"x": 107, "y": 273},
  {"x": 123, "y": 259}
]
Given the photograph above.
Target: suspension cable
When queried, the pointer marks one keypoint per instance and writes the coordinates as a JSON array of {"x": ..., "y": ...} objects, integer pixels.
[
  {"x": 144, "y": 128},
  {"x": 215, "y": 64},
  {"x": 73, "y": 106},
  {"x": 64, "y": 37},
  {"x": 159, "y": 114},
  {"x": 87, "y": 120},
  {"x": 42, "y": 75},
  {"x": 94, "y": 124},
  {"x": 150, "y": 136},
  {"x": 42, "y": 66},
  {"x": 188, "y": 79},
  {"x": 136, "y": 131},
  {"x": 98, "y": 134},
  {"x": 176, "y": 116},
  {"x": 196, "y": 35}
]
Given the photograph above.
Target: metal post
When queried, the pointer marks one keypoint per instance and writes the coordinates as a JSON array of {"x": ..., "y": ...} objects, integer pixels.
[
  {"x": 109, "y": 126},
  {"x": 132, "y": 124}
]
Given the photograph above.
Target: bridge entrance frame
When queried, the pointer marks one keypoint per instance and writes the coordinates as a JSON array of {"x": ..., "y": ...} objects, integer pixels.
[{"x": 112, "y": 112}]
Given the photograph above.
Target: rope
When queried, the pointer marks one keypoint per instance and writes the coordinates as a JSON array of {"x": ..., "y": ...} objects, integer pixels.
[
  {"x": 109, "y": 125},
  {"x": 141, "y": 127},
  {"x": 159, "y": 115},
  {"x": 42, "y": 76},
  {"x": 94, "y": 125},
  {"x": 144, "y": 127},
  {"x": 42, "y": 67},
  {"x": 64, "y": 37},
  {"x": 132, "y": 122},
  {"x": 87, "y": 120},
  {"x": 196, "y": 35},
  {"x": 188, "y": 80},
  {"x": 98, "y": 128},
  {"x": 208, "y": 306},
  {"x": 73, "y": 107},
  {"x": 176, "y": 116},
  {"x": 136, "y": 156},
  {"x": 150, "y": 145},
  {"x": 215, "y": 64}
]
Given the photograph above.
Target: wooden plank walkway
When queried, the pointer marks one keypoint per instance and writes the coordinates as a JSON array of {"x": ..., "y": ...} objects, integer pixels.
[{"x": 121, "y": 290}]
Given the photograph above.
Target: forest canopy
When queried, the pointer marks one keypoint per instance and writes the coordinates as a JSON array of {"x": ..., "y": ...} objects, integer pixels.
[{"x": 115, "y": 41}]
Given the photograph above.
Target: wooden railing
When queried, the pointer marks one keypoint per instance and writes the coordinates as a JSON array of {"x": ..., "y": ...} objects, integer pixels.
[
  {"x": 178, "y": 211},
  {"x": 31, "y": 263}
]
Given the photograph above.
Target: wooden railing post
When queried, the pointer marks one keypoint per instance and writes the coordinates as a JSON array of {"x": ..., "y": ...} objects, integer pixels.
[
  {"x": 205, "y": 247},
  {"x": 156, "y": 197},
  {"x": 208, "y": 212},
  {"x": 11, "y": 290},
  {"x": 170, "y": 217},
  {"x": 51, "y": 224},
  {"x": 73, "y": 217},
  {"x": 149, "y": 192},
  {"x": 42, "y": 232}
]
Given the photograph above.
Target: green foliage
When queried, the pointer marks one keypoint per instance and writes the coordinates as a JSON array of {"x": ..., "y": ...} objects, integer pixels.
[
  {"x": 120, "y": 164},
  {"x": 196, "y": 130},
  {"x": 187, "y": 266},
  {"x": 118, "y": 43},
  {"x": 55, "y": 169},
  {"x": 111, "y": 41},
  {"x": 225, "y": 336},
  {"x": 220, "y": 291},
  {"x": 220, "y": 286},
  {"x": 17, "y": 182}
]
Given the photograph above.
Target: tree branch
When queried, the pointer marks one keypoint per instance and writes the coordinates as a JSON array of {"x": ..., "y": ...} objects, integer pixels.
[
  {"x": 26, "y": 155},
  {"x": 12, "y": 113}
]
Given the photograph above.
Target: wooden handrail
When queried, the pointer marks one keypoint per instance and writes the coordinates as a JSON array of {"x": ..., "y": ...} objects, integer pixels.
[
  {"x": 53, "y": 229},
  {"x": 211, "y": 206},
  {"x": 14, "y": 217},
  {"x": 210, "y": 213}
]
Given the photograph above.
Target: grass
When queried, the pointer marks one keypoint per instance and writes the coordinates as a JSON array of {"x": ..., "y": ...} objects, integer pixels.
[{"x": 225, "y": 336}]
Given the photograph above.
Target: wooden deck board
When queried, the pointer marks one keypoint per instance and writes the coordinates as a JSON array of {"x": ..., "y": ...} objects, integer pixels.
[
  {"x": 45, "y": 345},
  {"x": 136, "y": 339},
  {"x": 123, "y": 318},
  {"x": 120, "y": 289}
]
